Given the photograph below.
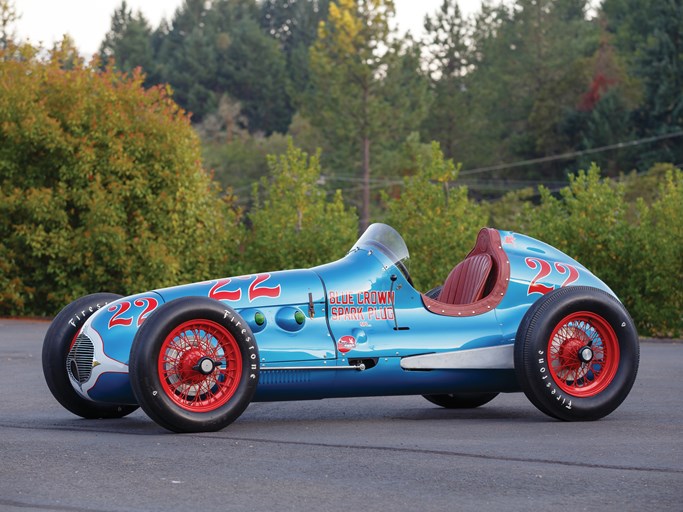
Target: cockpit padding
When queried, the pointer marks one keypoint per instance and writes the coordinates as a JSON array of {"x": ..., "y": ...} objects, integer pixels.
[{"x": 478, "y": 283}]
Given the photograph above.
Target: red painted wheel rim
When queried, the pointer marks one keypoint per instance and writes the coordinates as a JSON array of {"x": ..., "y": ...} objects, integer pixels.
[
  {"x": 573, "y": 375},
  {"x": 180, "y": 354},
  {"x": 73, "y": 341}
]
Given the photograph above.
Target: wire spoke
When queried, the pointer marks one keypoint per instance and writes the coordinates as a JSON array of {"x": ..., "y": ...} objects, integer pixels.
[{"x": 181, "y": 355}]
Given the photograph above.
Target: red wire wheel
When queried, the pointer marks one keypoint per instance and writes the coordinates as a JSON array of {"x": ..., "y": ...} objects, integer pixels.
[
  {"x": 194, "y": 365},
  {"x": 583, "y": 353},
  {"x": 200, "y": 365},
  {"x": 576, "y": 353}
]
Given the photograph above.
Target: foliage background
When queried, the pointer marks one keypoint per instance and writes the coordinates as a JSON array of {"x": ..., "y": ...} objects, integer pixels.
[
  {"x": 245, "y": 135},
  {"x": 101, "y": 187}
]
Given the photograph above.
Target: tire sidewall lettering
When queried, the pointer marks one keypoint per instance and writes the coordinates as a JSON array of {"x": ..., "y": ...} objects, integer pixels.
[
  {"x": 76, "y": 321},
  {"x": 146, "y": 378},
  {"x": 549, "y": 383},
  {"x": 533, "y": 365}
]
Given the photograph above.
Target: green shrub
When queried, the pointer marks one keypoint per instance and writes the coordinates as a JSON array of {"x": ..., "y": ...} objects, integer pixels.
[
  {"x": 101, "y": 188},
  {"x": 438, "y": 222},
  {"x": 656, "y": 260},
  {"x": 588, "y": 221},
  {"x": 293, "y": 223},
  {"x": 635, "y": 247}
]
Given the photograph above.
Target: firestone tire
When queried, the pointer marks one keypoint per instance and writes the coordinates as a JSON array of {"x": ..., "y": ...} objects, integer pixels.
[
  {"x": 58, "y": 340},
  {"x": 461, "y": 400},
  {"x": 194, "y": 365},
  {"x": 577, "y": 353}
]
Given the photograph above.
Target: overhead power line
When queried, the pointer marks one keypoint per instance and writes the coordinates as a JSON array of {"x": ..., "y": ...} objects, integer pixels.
[
  {"x": 398, "y": 180},
  {"x": 572, "y": 154},
  {"x": 385, "y": 181}
]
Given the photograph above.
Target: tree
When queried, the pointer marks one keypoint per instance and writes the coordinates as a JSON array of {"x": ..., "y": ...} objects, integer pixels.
[
  {"x": 357, "y": 76},
  {"x": 603, "y": 115},
  {"x": 253, "y": 70},
  {"x": 449, "y": 56},
  {"x": 187, "y": 59},
  {"x": 101, "y": 188},
  {"x": 129, "y": 43},
  {"x": 294, "y": 224},
  {"x": 294, "y": 25},
  {"x": 218, "y": 48},
  {"x": 438, "y": 221},
  {"x": 292, "y": 22},
  {"x": 528, "y": 75},
  {"x": 649, "y": 35}
]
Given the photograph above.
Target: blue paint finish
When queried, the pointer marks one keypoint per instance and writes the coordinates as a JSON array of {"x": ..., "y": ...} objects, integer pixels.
[
  {"x": 110, "y": 323},
  {"x": 291, "y": 286},
  {"x": 283, "y": 340},
  {"x": 359, "y": 309},
  {"x": 386, "y": 378},
  {"x": 113, "y": 384}
]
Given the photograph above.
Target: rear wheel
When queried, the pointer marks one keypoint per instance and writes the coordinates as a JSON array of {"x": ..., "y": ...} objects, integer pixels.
[
  {"x": 59, "y": 340},
  {"x": 461, "y": 400},
  {"x": 194, "y": 365},
  {"x": 577, "y": 353}
]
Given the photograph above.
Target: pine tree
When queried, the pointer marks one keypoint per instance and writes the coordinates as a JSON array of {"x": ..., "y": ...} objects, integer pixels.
[
  {"x": 359, "y": 79},
  {"x": 649, "y": 35},
  {"x": 129, "y": 43},
  {"x": 294, "y": 25},
  {"x": 449, "y": 57}
]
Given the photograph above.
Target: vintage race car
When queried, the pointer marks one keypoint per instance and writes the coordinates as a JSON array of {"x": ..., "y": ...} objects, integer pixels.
[{"x": 514, "y": 315}]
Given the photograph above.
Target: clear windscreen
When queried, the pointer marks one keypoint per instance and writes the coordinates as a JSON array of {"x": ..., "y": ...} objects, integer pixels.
[{"x": 387, "y": 240}]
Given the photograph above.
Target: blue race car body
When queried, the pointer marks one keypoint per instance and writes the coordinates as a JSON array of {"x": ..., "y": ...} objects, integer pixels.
[{"x": 357, "y": 327}]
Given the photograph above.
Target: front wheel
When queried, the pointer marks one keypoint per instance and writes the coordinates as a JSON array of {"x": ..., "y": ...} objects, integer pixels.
[
  {"x": 194, "y": 365},
  {"x": 59, "y": 341},
  {"x": 461, "y": 400},
  {"x": 577, "y": 353}
]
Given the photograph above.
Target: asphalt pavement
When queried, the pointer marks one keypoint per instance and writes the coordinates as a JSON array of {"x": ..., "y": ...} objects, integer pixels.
[{"x": 371, "y": 454}]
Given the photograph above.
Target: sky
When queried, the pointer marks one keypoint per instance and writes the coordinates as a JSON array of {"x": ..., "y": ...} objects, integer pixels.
[{"x": 87, "y": 21}]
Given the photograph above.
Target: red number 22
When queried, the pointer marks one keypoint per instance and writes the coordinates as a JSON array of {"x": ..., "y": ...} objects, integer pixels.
[{"x": 544, "y": 270}]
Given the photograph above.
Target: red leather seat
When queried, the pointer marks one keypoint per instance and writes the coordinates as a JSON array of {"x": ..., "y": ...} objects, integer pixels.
[
  {"x": 477, "y": 284},
  {"x": 466, "y": 282}
]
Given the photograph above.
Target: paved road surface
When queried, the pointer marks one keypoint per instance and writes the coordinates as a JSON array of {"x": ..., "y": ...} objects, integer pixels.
[{"x": 374, "y": 454}]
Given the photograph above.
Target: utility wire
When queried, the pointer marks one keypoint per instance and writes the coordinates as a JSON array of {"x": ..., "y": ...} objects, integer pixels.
[
  {"x": 380, "y": 182},
  {"x": 573, "y": 154},
  {"x": 397, "y": 180}
]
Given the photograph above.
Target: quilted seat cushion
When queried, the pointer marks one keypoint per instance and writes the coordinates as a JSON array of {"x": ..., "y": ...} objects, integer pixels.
[{"x": 466, "y": 282}]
